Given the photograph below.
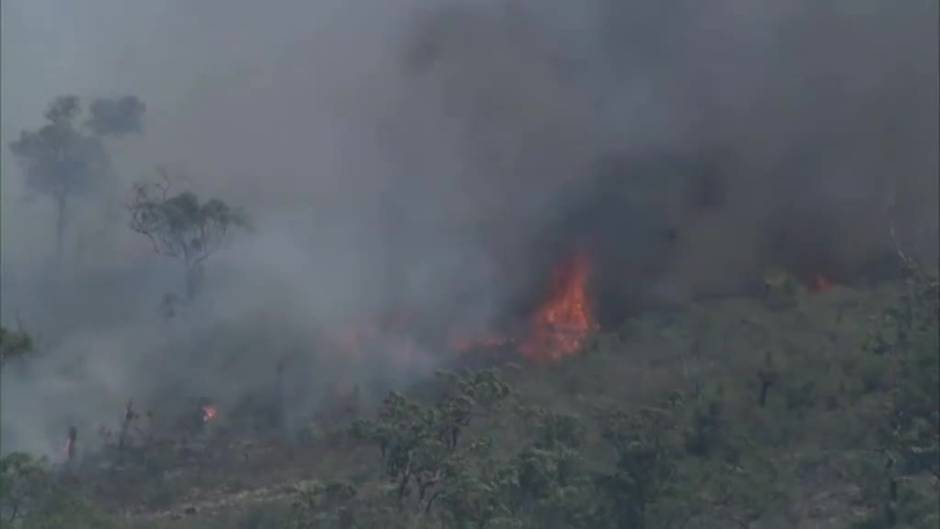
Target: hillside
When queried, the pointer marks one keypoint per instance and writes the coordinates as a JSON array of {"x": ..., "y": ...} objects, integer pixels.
[
  {"x": 817, "y": 412},
  {"x": 463, "y": 264}
]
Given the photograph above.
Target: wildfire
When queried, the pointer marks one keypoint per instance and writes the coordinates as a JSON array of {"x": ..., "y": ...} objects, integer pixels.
[
  {"x": 820, "y": 284},
  {"x": 209, "y": 413},
  {"x": 562, "y": 324},
  {"x": 558, "y": 328}
]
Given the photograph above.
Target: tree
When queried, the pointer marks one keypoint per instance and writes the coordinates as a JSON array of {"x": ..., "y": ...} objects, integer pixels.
[
  {"x": 643, "y": 474},
  {"x": 181, "y": 226},
  {"x": 116, "y": 117},
  {"x": 14, "y": 344},
  {"x": 421, "y": 444},
  {"x": 62, "y": 159},
  {"x": 22, "y": 480},
  {"x": 317, "y": 504},
  {"x": 552, "y": 485},
  {"x": 909, "y": 433},
  {"x": 32, "y": 497},
  {"x": 477, "y": 492},
  {"x": 413, "y": 452}
]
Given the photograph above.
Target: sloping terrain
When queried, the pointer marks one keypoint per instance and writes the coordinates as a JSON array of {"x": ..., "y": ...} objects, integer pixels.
[{"x": 754, "y": 415}]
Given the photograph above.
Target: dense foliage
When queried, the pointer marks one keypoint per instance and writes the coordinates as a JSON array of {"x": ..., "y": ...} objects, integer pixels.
[{"x": 32, "y": 496}]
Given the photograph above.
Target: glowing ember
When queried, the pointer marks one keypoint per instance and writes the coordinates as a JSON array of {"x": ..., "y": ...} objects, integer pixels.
[
  {"x": 209, "y": 412},
  {"x": 562, "y": 324},
  {"x": 820, "y": 284}
]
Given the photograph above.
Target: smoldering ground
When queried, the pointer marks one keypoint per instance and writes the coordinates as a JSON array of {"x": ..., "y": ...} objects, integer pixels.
[{"x": 438, "y": 159}]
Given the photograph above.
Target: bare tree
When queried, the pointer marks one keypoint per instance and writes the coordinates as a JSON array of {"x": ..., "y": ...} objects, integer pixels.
[{"x": 182, "y": 227}]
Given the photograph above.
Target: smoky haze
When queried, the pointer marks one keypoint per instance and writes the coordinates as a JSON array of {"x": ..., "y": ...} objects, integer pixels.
[{"x": 435, "y": 160}]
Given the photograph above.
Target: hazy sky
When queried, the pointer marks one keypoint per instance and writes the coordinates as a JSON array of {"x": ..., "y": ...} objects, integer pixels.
[{"x": 165, "y": 51}]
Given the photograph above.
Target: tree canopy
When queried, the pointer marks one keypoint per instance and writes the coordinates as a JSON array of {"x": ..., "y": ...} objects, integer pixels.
[
  {"x": 62, "y": 159},
  {"x": 182, "y": 226},
  {"x": 14, "y": 344}
]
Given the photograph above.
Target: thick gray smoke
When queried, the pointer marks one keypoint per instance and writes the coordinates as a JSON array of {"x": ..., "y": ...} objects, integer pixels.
[{"x": 435, "y": 160}]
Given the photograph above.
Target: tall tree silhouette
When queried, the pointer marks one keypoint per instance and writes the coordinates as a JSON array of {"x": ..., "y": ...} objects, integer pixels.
[{"x": 63, "y": 159}]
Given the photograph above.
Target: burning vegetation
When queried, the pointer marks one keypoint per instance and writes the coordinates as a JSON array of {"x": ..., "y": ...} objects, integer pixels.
[
  {"x": 557, "y": 324},
  {"x": 562, "y": 324},
  {"x": 820, "y": 284},
  {"x": 209, "y": 412},
  {"x": 414, "y": 243}
]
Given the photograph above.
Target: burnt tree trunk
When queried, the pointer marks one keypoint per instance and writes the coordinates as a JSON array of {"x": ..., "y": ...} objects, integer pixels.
[
  {"x": 61, "y": 213},
  {"x": 891, "y": 515},
  {"x": 764, "y": 387},
  {"x": 767, "y": 378},
  {"x": 194, "y": 276}
]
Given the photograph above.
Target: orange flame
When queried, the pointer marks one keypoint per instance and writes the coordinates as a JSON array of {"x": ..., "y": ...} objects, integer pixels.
[
  {"x": 209, "y": 412},
  {"x": 562, "y": 324}
]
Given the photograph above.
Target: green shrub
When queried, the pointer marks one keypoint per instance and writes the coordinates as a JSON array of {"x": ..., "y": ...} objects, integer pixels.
[
  {"x": 32, "y": 497},
  {"x": 159, "y": 493}
]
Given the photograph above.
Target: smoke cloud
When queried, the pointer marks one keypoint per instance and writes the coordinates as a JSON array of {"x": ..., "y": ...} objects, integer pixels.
[{"x": 430, "y": 162}]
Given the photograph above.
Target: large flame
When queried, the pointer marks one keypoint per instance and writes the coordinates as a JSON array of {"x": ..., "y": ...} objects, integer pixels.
[
  {"x": 559, "y": 327},
  {"x": 562, "y": 324}
]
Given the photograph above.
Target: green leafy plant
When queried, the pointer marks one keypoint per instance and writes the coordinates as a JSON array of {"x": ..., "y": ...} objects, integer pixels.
[
  {"x": 646, "y": 454},
  {"x": 909, "y": 434},
  {"x": 420, "y": 444},
  {"x": 31, "y": 497}
]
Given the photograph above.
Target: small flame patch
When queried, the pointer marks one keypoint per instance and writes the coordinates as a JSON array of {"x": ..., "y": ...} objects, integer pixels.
[
  {"x": 209, "y": 412},
  {"x": 820, "y": 284}
]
